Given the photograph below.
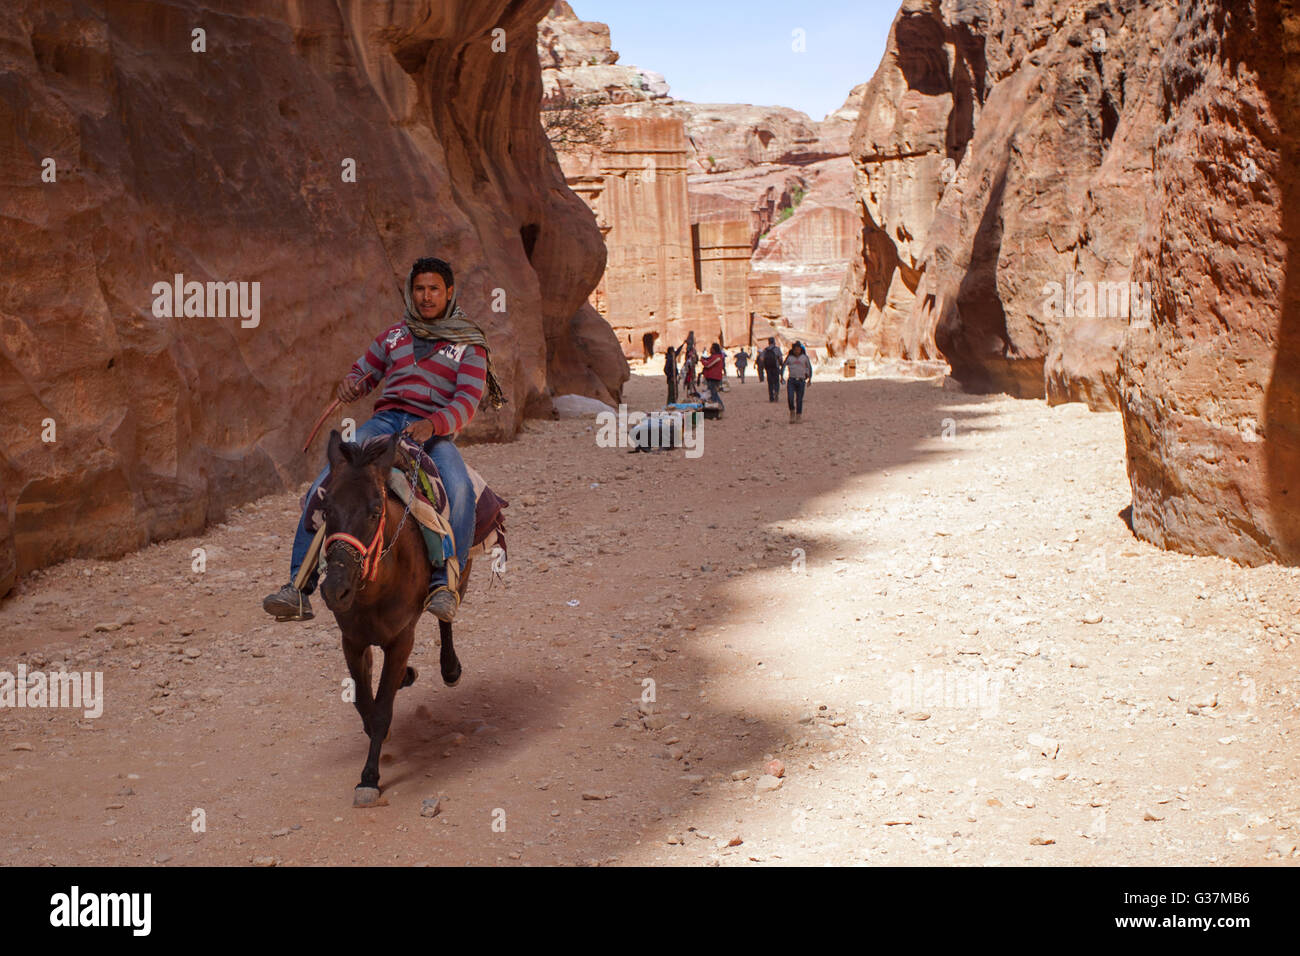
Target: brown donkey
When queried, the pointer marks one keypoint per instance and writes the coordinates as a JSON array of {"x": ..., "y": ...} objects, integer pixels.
[{"x": 376, "y": 582}]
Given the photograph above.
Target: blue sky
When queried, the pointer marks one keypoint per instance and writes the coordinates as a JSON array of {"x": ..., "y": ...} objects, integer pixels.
[{"x": 740, "y": 51}]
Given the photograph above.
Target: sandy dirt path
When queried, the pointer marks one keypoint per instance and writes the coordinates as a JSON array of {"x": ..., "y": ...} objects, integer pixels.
[{"x": 924, "y": 604}]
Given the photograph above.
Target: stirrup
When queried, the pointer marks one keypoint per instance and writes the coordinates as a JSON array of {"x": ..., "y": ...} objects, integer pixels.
[{"x": 434, "y": 593}]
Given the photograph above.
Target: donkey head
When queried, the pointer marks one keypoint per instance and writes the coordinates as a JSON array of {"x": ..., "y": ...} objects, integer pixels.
[{"x": 355, "y": 499}]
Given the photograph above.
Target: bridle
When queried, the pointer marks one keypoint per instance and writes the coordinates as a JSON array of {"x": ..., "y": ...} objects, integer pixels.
[
  {"x": 371, "y": 554},
  {"x": 374, "y": 552}
]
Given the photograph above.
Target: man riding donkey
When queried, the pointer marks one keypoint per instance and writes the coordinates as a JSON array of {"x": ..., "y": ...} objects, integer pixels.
[{"x": 437, "y": 367}]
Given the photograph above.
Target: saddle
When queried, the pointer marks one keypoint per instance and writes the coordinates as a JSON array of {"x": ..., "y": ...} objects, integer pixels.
[{"x": 415, "y": 482}]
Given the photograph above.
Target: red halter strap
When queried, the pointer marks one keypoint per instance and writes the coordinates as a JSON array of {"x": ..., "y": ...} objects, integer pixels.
[{"x": 370, "y": 554}]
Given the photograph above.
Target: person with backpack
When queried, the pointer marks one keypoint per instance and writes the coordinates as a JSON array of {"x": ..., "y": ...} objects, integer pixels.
[{"x": 770, "y": 361}]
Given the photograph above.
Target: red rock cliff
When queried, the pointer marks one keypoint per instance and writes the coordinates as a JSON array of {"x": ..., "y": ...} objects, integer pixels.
[
  {"x": 1211, "y": 386},
  {"x": 1094, "y": 201},
  {"x": 228, "y": 165}
]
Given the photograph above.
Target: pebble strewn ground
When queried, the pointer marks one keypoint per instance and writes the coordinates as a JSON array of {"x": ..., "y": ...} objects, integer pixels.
[{"x": 913, "y": 629}]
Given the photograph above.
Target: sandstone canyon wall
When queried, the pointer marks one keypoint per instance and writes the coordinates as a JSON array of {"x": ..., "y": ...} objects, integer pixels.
[
  {"x": 1093, "y": 200},
  {"x": 1006, "y": 150},
  {"x": 1211, "y": 386},
  {"x": 228, "y": 165}
]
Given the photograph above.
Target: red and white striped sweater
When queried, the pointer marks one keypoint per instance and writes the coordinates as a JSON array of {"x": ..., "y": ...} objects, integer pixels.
[{"x": 443, "y": 385}]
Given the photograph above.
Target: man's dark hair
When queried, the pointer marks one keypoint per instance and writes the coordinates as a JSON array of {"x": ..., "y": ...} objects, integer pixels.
[
  {"x": 430, "y": 264},
  {"x": 771, "y": 341}
]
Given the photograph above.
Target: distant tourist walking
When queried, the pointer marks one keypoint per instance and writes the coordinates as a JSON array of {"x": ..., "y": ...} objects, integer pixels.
[
  {"x": 770, "y": 362},
  {"x": 670, "y": 373},
  {"x": 742, "y": 361},
  {"x": 799, "y": 366},
  {"x": 713, "y": 366}
]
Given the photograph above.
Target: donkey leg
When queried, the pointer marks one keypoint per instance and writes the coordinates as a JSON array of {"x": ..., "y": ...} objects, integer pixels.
[
  {"x": 447, "y": 658},
  {"x": 358, "y": 659},
  {"x": 381, "y": 718}
]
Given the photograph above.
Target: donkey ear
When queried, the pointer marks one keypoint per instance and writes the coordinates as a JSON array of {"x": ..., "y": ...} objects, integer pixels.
[
  {"x": 334, "y": 453},
  {"x": 384, "y": 461}
]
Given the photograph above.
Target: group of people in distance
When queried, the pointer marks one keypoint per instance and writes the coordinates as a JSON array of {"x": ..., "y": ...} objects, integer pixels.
[{"x": 794, "y": 367}]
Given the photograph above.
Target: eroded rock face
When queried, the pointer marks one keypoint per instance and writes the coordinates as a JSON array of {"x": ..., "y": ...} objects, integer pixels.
[
  {"x": 1211, "y": 387},
  {"x": 228, "y": 165},
  {"x": 1114, "y": 228},
  {"x": 758, "y": 194},
  {"x": 579, "y": 66},
  {"x": 565, "y": 41},
  {"x": 917, "y": 115},
  {"x": 1005, "y": 152}
]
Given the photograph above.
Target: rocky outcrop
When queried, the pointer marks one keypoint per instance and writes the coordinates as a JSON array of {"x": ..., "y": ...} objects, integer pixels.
[
  {"x": 730, "y": 136},
  {"x": 1211, "y": 385},
  {"x": 767, "y": 192},
  {"x": 230, "y": 160},
  {"x": 916, "y": 117},
  {"x": 836, "y": 131},
  {"x": 1093, "y": 201},
  {"x": 579, "y": 66},
  {"x": 1005, "y": 152},
  {"x": 564, "y": 41}
]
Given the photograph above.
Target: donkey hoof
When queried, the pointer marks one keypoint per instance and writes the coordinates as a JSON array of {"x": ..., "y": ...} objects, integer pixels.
[
  {"x": 454, "y": 679},
  {"x": 409, "y": 679},
  {"x": 367, "y": 797}
]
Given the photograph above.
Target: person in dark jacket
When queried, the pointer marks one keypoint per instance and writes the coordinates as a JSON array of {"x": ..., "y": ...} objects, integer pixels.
[
  {"x": 742, "y": 362},
  {"x": 770, "y": 361},
  {"x": 670, "y": 373}
]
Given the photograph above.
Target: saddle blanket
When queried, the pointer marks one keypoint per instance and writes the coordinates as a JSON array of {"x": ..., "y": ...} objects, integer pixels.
[{"x": 414, "y": 480}]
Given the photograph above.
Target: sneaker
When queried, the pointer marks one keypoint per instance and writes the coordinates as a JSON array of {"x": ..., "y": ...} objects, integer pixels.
[
  {"x": 288, "y": 604},
  {"x": 792, "y": 417},
  {"x": 442, "y": 604}
]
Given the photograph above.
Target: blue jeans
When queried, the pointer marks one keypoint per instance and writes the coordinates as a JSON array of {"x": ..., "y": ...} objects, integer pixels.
[
  {"x": 460, "y": 496},
  {"x": 794, "y": 389},
  {"x": 460, "y": 491},
  {"x": 713, "y": 391}
]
